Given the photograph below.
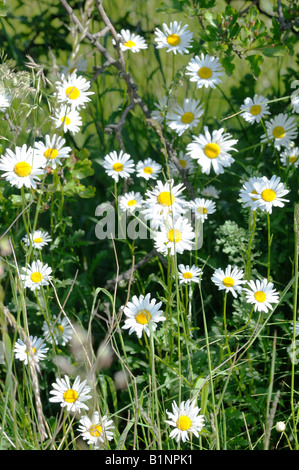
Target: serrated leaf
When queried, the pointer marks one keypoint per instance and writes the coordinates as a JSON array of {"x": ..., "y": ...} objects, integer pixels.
[
  {"x": 255, "y": 61},
  {"x": 228, "y": 65},
  {"x": 277, "y": 51}
]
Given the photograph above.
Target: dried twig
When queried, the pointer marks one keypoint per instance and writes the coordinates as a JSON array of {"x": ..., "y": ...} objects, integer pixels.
[{"x": 134, "y": 97}]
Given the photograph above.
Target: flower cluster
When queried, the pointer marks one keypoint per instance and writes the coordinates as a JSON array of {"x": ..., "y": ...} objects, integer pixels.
[{"x": 173, "y": 215}]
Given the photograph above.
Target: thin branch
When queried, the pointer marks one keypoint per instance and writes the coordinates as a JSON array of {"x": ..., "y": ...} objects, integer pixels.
[
  {"x": 128, "y": 274},
  {"x": 11, "y": 225}
]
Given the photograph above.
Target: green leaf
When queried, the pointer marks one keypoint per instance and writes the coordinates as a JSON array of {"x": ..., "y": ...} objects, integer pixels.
[
  {"x": 87, "y": 192},
  {"x": 209, "y": 17},
  {"x": 82, "y": 169},
  {"x": 255, "y": 61},
  {"x": 228, "y": 65},
  {"x": 277, "y": 51}
]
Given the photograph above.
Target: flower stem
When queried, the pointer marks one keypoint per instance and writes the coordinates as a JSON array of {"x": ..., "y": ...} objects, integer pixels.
[
  {"x": 269, "y": 246},
  {"x": 210, "y": 370},
  {"x": 248, "y": 255},
  {"x": 296, "y": 254}
]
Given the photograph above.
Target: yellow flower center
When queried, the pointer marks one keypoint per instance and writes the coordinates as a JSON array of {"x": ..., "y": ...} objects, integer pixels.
[
  {"x": 212, "y": 150},
  {"x": 187, "y": 275},
  {"x": 165, "y": 198},
  {"x": 228, "y": 282},
  {"x": 201, "y": 210},
  {"x": 143, "y": 317},
  {"x": 38, "y": 240},
  {"x": 70, "y": 395},
  {"x": 66, "y": 120},
  {"x": 129, "y": 44},
  {"x": 36, "y": 277},
  {"x": 51, "y": 153},
  {"x": 260, "y": 296},
  {"x": 268, "y": 195},
  {"x": 278, "y": 132},
  {"x": 72, "y": 92},
  {"x": 32, "y": 349},
  {"x": 187, "y": 118},
  {"x": 184, "y": 423},
  {"x": 173, "y": 40},
  {"x": 183, "y": 163},
  {"x": 254, "y": 192},
  {"x": 118, "y": 167},
  {"x": 95, "y": 430},
  {"x": 132, "y": 202},
  {"x": 205, "y": 72},
  {"x": 292, "y": 159},
  {"x": 255, "y": 109},
  {"x": 22, "y": 169},
  {"x": 148, "y": 170},
  {"x": 60, "y": 328},
  {"x": 175, "y": 235}
]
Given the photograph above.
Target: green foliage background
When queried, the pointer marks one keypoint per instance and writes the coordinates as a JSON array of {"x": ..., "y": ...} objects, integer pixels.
[{"x": 257, "y": 58}]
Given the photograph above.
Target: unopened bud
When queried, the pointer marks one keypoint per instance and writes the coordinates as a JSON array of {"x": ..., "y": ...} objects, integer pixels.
[{"x": 280, "y": 426}]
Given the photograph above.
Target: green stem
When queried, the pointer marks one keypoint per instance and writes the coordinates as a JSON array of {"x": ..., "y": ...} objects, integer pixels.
[
  {"x": 210, "y": 369},
  {"x": 224, "y": 320},
  {"x": 269, "y": 246},
  {"x": 248, "y": 255},
  {"x": 154, "y": 385},
  {"x": 296, "y": 242}
]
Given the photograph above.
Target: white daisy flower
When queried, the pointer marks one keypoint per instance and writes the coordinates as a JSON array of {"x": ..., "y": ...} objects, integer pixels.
[
  {"x": 281, "y": 129},
  {"x": 162, "y": 106},
  {"x": 186, "y": 163},
  {"x": 290, "y": 156},
  {"x": 189, "y": 274},
  {"x": 79, "y": 64},
  {"x": 164, "y": 199},
  {"x": 148, "y": 169},
  {"x": 38, "y": 239},
  {"x": 210, "y": 191},
  {"x": 230, "y": 280},
  {"x": 186, "y": 117},
  {"x": 67, "y": 119},
  {"x": 269, "y": 193},
  {"x": 186, "y": 420},
  {"x": 295, "y": 103},
  {"x": 205, "y": 71},
  {"x": 38, "y": 349},
  {"x": 72, "y": 90},
  {"x": 174, "y": 236},
  {"x": 5, "y": 101},
  {"x": 261, "y": 294},
  {"x": 131, "y": 41},
  {"x": 52, "y": 149},
  {"x": 130, "y": 201},
  {"x": 22, "y": 168},
  {"x": 247, "y": 193},
  {"x": 57, "y": 332},
  {"x": 202, "y": 208},
  {"x": 96, "y": 430},
  {"x": 174, "y": 37},
  {"x": 70, "y": 396},
  {"x": 255, "y": 109},
  {"x": 118, "y": 165},
  {"x": 141, "y": 312},
  {"x": 36, "y": 275},
  {"x": 212, "y": 150}
]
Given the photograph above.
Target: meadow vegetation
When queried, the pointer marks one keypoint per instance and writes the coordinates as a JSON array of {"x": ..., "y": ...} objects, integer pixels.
[{"x": 149, "y": 226}]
